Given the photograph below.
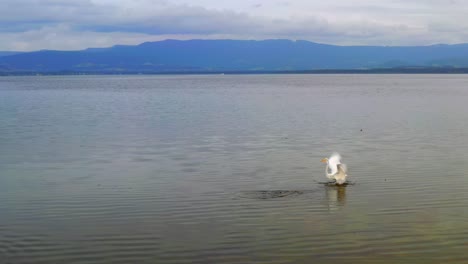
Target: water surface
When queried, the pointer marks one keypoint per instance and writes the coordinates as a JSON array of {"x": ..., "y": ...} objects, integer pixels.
[{"x": 226, "y": 169}]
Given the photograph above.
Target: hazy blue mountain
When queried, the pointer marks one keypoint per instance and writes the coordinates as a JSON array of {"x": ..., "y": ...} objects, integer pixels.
[
  {"x": 8, "y": 53},
  {"x": 234, "y": 55}
]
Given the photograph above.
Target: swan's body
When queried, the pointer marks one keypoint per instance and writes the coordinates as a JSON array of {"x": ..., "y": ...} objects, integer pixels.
[{"x": 336, "y": 170}]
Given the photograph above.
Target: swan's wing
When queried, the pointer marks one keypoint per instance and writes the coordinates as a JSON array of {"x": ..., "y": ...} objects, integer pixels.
[
  {"x": 340, "y": 177},
  {"x": 335, "y": 158},
  {"x": 342, "y": 168},
  {"x": 333, "y": 162}
]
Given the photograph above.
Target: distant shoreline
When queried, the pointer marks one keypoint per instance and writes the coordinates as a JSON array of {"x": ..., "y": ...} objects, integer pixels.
[{"x": 410, "y": 70}]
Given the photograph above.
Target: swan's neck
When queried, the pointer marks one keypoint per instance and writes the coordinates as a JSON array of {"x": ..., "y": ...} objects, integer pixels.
[{"x": 326, "y": 171}]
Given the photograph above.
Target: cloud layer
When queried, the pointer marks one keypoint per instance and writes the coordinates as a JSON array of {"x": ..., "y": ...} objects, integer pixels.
[{"x": 69, "y": 25}]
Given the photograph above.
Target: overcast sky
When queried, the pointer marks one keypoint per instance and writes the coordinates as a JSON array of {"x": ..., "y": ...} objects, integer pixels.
[{"x": 77, "y": 24}]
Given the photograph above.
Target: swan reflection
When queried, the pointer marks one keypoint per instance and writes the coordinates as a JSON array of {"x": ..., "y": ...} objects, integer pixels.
[{"x": 336, "y": 196}]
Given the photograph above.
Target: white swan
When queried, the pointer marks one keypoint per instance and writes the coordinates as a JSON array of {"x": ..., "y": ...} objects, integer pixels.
[{"x": 335, "y": 170}]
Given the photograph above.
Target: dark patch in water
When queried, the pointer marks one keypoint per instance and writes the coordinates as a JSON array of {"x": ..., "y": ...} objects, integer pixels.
[
  {"x": 142, "y": 160},
  {"x": 269, "y": 194},
  {"x": 189, "y": 164},
  {"x": 179, "y": 157},
  {"x": 338, "y": 185},
  {"x": 189, "y": 170},
  {"x": 299, "y": 168}
]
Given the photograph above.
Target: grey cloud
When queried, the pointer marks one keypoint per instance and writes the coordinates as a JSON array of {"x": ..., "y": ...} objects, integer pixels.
[
  {"x": 26, "y": 11},
  {"x": 156, "y": 18},
  {"x": 108, "y": 22}
]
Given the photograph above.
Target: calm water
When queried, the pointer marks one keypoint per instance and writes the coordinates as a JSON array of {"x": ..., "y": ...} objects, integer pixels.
[{"x": 226, "y": 169}]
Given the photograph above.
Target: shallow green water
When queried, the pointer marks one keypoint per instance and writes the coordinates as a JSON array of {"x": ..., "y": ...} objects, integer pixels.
[{"x": 226, "y": 169}]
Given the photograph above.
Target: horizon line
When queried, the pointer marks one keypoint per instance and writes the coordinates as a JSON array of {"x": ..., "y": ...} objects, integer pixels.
[{"x": 232, "y": 39}]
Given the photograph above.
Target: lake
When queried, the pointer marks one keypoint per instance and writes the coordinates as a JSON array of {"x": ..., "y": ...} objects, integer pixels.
[{"x": 226, "y": 169}]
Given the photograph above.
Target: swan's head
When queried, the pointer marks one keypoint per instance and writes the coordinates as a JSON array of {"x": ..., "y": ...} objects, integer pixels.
[{"x": 324, "y": 160}]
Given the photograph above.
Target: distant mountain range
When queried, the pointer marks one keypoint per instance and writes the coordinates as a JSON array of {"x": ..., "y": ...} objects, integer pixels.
[
  {"x": 231, "y": 56},
  {"x": 8, "y": 53}
]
